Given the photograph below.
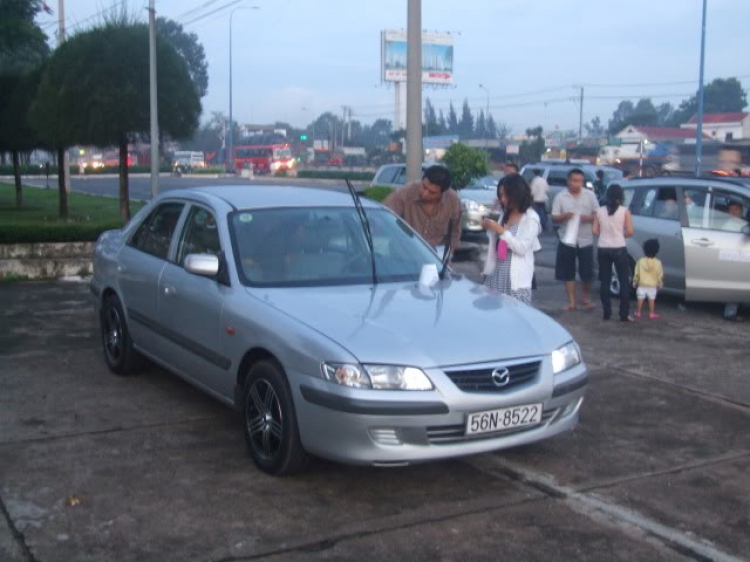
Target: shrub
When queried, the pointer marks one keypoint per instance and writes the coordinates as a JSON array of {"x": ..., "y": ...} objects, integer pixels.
[
  {"x": 336, "y": 175},
  {"x": 465, "y": 163},
  {"x": 377, "y": 192}
]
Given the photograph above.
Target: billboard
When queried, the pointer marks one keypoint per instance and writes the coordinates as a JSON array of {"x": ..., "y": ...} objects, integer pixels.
[{"x": 437, "y": 57}]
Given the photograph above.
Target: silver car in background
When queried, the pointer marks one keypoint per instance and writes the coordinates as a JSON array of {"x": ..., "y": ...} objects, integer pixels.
[
  {"x": 270, "y": 300},
  {"x": 702, "y": 228}
]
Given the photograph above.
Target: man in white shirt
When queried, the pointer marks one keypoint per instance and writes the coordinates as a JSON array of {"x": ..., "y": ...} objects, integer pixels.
[
  {"x": 565, "y": 207},
  {"x": 539, "y": 188}
]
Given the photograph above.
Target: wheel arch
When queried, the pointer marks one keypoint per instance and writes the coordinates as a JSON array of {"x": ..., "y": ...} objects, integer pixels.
[{"x": 252, "y": 357}]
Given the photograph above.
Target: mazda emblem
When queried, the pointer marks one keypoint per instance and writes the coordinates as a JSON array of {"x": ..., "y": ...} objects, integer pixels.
[{"x": 501, "y": 377}]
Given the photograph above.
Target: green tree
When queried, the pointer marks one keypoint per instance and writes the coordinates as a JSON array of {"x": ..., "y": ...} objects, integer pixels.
[
  {"x": 16, "y": 133},
  {"x": 430, "y": 119},
  {"x": 452, "y": 121},
  {"x": 480, "y": 131},
  {"x": 441, "y": 123},
  {"x": 23, "y": 44},
  {"x": 723, "y": 95},
  {"x": 532, "y": 150},
  {"x": 189, "y": 48},
  {"x": 594, "y": 128},
  {"x": 91, "y": 94},
  {"x": 621, "y": 117},
  {"x": 465, "y": 163},
  {"x": 466, "y": 125},
  {"x": 664, "y": 114}
]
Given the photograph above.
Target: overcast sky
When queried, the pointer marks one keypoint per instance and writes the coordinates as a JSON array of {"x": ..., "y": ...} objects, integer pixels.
[{"x": 293, "y": 58}]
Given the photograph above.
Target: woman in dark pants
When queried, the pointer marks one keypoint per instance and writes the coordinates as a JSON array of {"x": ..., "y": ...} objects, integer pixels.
[{"x": 613, "y": 223}]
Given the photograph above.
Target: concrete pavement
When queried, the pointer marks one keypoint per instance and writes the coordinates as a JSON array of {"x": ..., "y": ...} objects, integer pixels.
[{"x": 96, "y": 467}]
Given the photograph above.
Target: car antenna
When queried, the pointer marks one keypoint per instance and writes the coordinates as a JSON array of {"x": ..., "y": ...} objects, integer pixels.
[
  {"x": 365, "y": 226},
  {"x": 447, "y": 251}
]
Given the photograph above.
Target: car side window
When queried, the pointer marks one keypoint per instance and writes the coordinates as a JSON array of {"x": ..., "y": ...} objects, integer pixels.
[
  {"x": 154, "y": 236},
  {"x": 660, "y": 203},
  {"x": 401, "y": 176},
  {"x": 528, "y": 174},
  {"x": 695, "y": 205},
  {"x": 558, "y": 177},
  {"x": 627, "y": 196},
  {"x": 200, "y": 235},
  {"x": 729, "y": 212},
  {"x": 387, "y": 174}
]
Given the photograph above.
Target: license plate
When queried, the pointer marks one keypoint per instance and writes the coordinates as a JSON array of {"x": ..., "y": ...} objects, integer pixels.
[{"x": 504, "y": 418}]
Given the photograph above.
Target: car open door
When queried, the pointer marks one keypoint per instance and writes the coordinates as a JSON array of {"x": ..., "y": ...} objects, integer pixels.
[{"x": 717, "y": 252}]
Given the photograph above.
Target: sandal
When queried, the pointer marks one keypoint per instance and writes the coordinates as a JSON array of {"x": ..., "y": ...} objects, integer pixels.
[
  {"x": 654, "y": 316},
  {"x": 569, "y": 308},
  {"x": 588, "y": 305}
]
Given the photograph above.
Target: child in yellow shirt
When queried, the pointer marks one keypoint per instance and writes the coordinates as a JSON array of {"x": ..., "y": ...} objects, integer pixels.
[{"x": 648, "y": 278}]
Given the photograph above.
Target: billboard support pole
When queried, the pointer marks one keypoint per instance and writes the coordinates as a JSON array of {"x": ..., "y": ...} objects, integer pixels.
[{"x": 414, "y": 149}]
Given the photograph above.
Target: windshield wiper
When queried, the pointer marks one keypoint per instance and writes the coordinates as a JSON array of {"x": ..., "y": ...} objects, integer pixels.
[
  {"x": 365, "y": 226},
  {"x": 447, "y": 251}
]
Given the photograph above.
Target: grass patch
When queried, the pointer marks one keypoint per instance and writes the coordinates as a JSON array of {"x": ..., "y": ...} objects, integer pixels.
[
  {"x": 377, "y": 192},
  {"x": 38, "y": 220}
]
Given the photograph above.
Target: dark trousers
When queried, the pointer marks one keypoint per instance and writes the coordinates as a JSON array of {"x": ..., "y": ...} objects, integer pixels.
[
  {"x": 541, "y": 210},
  {"x": 619, "y": 258}
]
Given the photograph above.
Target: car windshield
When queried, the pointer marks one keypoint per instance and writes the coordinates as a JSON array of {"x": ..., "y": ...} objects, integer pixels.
[{"x": 293, "y": 247}]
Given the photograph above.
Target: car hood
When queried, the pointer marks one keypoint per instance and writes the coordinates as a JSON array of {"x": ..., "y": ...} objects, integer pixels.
[
  {"x": 484, "y": 196},
  {"x": 456, "y": 322}
]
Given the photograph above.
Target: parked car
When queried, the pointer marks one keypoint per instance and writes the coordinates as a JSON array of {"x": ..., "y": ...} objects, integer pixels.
[
  {"x": 556, "y": 174},
  {"x": 268, "y": 300},
  {"x": 702, "y": 228},
  {"x": 476, "y": 201},
  {"x": 393, "y": 175}
]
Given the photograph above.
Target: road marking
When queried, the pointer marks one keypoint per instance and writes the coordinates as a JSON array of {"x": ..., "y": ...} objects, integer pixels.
[{"x": 597, "y": 508}]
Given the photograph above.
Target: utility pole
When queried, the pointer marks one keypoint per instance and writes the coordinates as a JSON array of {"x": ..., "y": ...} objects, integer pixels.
[
  {"x": 64, "y": 166},
  {"x": 414, "y": 91},
  {"x": 153, "y": 98},
  {"x": 699, "y": 129},
  {"x": 580, "y": 119}
]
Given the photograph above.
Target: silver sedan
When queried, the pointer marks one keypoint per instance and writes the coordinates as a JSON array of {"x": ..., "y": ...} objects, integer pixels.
[{"x": 327, "y": 335}]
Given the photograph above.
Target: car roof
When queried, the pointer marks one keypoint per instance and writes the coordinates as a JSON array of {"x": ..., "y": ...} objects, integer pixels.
[
  {"x": 267, "y": 196},
  {"x": 735, "y": 184}
]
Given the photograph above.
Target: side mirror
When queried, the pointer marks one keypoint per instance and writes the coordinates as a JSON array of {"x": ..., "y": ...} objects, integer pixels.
[
  {"x": 206, "y": 265},
  {"x": 745, "y": 230}
]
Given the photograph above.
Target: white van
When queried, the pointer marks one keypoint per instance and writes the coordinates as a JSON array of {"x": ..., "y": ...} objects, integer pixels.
[{"x": 186, "y": 160}]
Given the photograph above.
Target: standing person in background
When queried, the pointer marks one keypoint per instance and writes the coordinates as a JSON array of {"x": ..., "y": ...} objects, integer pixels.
[
  {"x": 627, "y": 175},
  {"x": 648, "y": 278},
  {"x": 599, "y": 187},
  {"x": 574, "y": 209},
  {"x": 513, "y": 240},
  {"x": 539, "y": 189},
  {"x": 510, "y": 168},
  {"x": 613, "y": 223},
  {"x": 430, "y": 207}
]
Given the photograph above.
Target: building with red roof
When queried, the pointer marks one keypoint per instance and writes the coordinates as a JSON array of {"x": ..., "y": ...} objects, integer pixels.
[{"x": 722, "y": 126}]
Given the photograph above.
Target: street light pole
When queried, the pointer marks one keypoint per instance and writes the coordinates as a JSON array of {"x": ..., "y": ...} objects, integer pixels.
[
  {"x": 699, "y": 129},
  {"x": 230, "y": 157},
  {"x": 486, "y": 117},
  {"x": 414, "y": 148},
  {"x": 154, "y": 106}
]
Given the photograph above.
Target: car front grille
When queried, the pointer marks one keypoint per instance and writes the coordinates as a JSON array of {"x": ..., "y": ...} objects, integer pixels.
[
  {"x": 480, "y": 380},
  {"x": 446, "y": 434}
]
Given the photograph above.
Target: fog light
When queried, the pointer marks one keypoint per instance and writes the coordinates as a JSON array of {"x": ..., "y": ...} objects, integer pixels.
[{"x": 385, "y": 435}]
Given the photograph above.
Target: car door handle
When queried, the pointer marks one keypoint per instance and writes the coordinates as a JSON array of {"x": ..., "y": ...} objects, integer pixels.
[
  {"x": 704, "y": 242},
  {"x": 169, "y": 290},
  {"x": 121, "y": 268}
]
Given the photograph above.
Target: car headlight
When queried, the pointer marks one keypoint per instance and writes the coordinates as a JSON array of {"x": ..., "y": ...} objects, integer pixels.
[
  {"x": 377, "y": 377},
  {"x": 471, "y": 205},
  {"x": 565, "y": 357}
]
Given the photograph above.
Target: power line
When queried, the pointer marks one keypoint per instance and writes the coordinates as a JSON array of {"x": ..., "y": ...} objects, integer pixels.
[
  {"x": 194, "y": 10},
  {"x": 650, "y": 84},
  {"x": 212, "y": 12}
]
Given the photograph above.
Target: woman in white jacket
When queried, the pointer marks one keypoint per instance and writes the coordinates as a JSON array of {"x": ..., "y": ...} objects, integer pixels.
[{"x": 513, "y": 240}]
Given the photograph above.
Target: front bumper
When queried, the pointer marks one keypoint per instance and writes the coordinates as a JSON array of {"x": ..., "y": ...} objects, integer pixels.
[
  {"x": 471, "y": 221},
  {"x": 402, "y": 427}
]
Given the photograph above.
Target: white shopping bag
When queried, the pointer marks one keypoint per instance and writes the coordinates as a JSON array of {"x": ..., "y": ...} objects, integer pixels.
[{"x": 571, "y": 231}]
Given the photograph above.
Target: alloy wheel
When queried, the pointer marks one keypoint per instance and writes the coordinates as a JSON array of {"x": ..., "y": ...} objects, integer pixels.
[{"x": 263, "y": 419}]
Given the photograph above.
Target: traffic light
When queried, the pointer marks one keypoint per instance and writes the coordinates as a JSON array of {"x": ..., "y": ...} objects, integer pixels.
[{"x": 303, "y": 137}]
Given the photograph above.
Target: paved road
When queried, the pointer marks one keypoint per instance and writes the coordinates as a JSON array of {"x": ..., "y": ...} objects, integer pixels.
[
  {"x": 140, "y": 187},
  {"x": 96, "y": 467}
]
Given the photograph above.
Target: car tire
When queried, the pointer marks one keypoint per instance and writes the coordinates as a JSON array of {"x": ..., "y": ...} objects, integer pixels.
[
  {"x": 270, "y": 421},
  {"x": 614, "y": 284},
  {"x": 117, "y": 345}
]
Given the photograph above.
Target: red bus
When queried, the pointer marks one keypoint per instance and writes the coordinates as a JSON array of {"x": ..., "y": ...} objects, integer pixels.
[{"x": 264, "y": 158}]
